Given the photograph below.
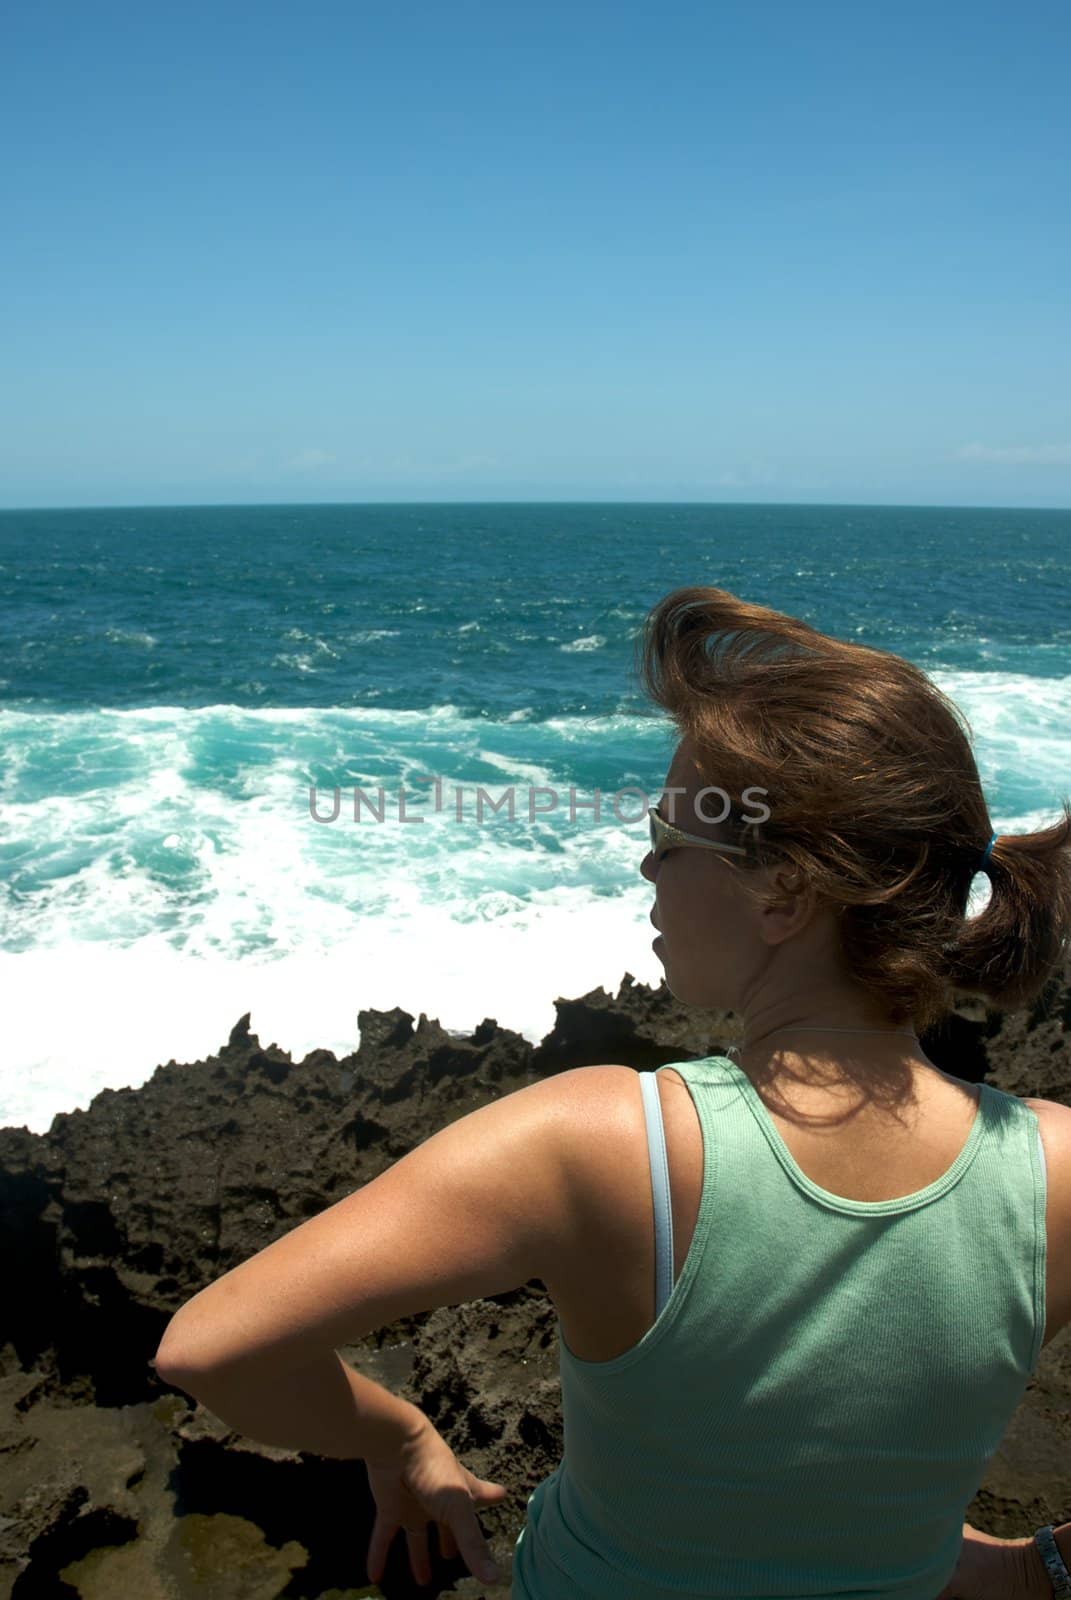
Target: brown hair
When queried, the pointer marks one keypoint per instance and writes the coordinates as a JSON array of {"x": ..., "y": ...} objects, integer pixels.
[{"x": 874, "y": 799}]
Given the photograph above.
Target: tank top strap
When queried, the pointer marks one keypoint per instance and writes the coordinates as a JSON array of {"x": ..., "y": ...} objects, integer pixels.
[
  {"x": 658, "y": 1161},
  {"x": 703, "y": 1069},
  {"x": 663, "y": 1212}
]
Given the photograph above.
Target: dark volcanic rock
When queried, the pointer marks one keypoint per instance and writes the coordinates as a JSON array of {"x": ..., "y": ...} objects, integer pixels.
[
  {"x": 638, "y": 1027},
  {"x": 112, "y": 1484}
]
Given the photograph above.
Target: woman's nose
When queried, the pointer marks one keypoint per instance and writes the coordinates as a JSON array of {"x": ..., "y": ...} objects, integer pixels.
[{"x": 647, "y": 867}]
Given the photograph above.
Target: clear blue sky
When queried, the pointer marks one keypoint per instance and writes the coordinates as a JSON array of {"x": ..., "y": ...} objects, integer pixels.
[{"x": 746, "y": 251}]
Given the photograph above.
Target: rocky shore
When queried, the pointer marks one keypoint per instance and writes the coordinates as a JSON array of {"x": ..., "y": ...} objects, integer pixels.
[{"x": 114, "y": 1485}]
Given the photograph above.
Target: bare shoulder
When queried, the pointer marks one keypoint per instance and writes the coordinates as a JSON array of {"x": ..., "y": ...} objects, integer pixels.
[
  {"x": 560, "y": 1096},
  {"x": 582, "y": 1087},
  {"x": 579, "y": 1109},
  {"x": 595, "y": 1102},
  {"x": 1054, "y": 1120},
  {"x": 583, "y": 1111},
  {"x": 599, "y": 1125},
  {"x": 1043, "y": 1107}
]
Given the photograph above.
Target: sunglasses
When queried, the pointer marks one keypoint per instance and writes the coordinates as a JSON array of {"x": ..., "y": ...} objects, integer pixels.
[{"x": 664, "y": 836}]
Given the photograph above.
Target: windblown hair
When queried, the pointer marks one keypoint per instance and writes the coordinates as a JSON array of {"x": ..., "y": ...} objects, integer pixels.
[{"x": 874, "y": 800}]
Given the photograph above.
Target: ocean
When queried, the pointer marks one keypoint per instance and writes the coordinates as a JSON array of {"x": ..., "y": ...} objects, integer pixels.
[{"x": 183, "y": 690}]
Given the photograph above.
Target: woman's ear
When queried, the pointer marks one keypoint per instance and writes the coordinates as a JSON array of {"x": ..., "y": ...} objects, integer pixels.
[{"x": 788, "y": 902}]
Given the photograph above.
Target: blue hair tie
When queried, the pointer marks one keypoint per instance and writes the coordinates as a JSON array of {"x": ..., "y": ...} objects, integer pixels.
[{"x": 985, "y": 853}]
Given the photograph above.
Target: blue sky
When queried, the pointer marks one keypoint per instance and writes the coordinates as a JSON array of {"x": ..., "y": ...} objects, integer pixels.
[{"x": 761, "y": 251}]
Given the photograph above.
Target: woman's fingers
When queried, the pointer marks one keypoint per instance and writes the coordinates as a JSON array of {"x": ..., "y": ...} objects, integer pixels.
[
  {"x": 447, "y": 1543},
  {"x": 378, "y": 1546},
  {"x": 383, "y": 1536},
  {"x": 419, "y": 1560},
  {"x": 460, "y": 1536},
  {"x": 472, "y": 1546},
  {"x": 485, "y": 1488}
]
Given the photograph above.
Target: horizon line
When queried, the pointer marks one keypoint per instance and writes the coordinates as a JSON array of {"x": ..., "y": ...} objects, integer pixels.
[{"x": 238, "y": 505}]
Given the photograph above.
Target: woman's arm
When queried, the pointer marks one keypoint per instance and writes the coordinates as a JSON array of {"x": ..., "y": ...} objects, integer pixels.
[
  {"x": 1002, "y": 1569},
  {"x": 438, "y": 1228},
  {"x": 324, "y": 1407}
]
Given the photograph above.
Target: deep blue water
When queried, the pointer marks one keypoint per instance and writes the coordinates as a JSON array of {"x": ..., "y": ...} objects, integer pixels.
[{"x": 483, "y": 607}]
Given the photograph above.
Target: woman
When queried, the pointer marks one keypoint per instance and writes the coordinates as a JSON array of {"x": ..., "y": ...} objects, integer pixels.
[{"x": 789, "y": 1350}]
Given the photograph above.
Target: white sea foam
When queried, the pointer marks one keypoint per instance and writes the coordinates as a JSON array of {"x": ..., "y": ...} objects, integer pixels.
[
  {"x": 84, "y": 1015},
  {"x": 131, "y": 636},
  {"x": 163, "y": 875},
  {"x": 594, "y": 641}
]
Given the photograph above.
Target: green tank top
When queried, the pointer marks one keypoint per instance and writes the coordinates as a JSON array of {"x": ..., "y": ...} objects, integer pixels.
[{"x": 819, "y": 1398}]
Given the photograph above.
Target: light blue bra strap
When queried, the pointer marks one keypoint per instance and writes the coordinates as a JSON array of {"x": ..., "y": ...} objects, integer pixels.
[
  {"x": 663, "y": 1216},
  {"x": 1041, "y": 1153}
]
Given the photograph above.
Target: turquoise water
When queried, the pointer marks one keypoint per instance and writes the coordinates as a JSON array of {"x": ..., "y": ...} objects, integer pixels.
[{"x": 176, "y": 680}]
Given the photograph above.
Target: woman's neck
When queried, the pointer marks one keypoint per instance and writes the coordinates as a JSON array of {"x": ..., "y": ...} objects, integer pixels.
[{"x": 876, "y": 1062}]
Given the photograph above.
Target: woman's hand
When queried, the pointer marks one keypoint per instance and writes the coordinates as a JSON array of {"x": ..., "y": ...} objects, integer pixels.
[
  {"x": 423, "y": 1483},
  {"x": 995, "y": 1569}
]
